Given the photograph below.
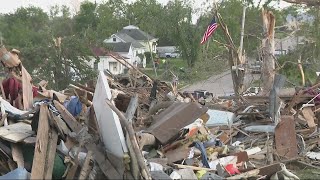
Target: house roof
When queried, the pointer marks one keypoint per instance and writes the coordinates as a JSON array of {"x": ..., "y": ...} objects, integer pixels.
[
  {"x": 100, "y": 51},
  {"x": 127, "y": 39},
  {"x": 120, "y": 46},
  {"x": 135, "y": 33}
]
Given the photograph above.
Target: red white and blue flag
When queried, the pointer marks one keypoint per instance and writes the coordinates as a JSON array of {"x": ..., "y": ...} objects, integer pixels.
[{"x": 210, "y": 29}]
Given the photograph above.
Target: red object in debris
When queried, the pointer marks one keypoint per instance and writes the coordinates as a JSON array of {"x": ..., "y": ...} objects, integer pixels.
[
  {"x": 232, "y": 169},
  {"x": 11, "y": 87}
]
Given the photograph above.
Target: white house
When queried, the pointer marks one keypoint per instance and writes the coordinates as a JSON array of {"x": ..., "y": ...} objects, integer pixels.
[
  {"x": 141, "y": 42},
  {"x": 104, "y": 60}
]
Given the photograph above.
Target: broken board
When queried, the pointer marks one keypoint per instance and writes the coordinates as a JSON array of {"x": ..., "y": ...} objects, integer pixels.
[
  {"x": 16, "y": 132},
  {"x": 27, "y": 93},
  {"x": 108, "y": 121},
  {"x": 178, "y": 154},
  {"x": 41, "y": 147},
  {"x": 308, "y": 114},
  {"x": 169, "y": 122},
  {"x": 285, "y": 137}
]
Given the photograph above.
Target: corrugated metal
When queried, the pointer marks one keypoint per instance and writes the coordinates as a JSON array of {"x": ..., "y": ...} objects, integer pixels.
[{"x": 168, "y": 123}]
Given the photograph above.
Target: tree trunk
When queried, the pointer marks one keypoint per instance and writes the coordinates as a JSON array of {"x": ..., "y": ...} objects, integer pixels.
[{"x": 268, "y": 64}]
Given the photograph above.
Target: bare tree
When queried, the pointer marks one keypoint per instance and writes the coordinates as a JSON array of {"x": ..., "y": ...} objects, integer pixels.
[{"x": 268, "y": 64}]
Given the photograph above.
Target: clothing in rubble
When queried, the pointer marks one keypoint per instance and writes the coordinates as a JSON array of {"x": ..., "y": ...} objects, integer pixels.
[{"x": 12, "y": 87}]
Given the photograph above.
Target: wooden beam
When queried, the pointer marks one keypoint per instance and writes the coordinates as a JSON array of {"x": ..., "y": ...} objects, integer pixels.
[
  {"x": 17, "y": 155},
  {"x": 40, "y": 151},
  {"x": 132, "y": 107},
  {"x": 27, "y": 94},
  {"x": 86, "y": 168},
  {"x": 106, "y": 167},
  {"x": 51, "y": 153},
  {"x": 67, "y": 117}
]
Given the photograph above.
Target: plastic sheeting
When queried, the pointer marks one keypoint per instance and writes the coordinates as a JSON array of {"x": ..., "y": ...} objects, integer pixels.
[{"x": 19, "y": 173}]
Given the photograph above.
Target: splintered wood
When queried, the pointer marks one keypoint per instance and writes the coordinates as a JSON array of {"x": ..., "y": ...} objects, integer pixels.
[
  {"x": 309, "y": 116},
  {"x": 45, "y": 148}
]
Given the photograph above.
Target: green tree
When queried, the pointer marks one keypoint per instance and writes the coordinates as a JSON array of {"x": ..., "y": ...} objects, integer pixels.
[{"x": 34, "y": 32}]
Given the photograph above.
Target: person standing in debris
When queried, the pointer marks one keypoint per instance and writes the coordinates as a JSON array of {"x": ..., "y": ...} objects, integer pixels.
[
  {"x": 164, "y": 63},
  {"x": 135, "y": 63},
  {"x": 156, "y": 63},
  {"x": 175, "y": 82}
]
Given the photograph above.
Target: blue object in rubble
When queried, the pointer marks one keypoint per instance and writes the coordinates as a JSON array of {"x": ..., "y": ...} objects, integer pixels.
[
  {"x": 74, "y": 105},
  {"x": 199, "y": 145},
  {"x": 19, "y": 173}
]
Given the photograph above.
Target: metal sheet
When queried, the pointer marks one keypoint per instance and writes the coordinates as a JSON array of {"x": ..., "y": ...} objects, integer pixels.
[
  {"x": 285, "y": 137},
  {"x": 169, "y": 122}
]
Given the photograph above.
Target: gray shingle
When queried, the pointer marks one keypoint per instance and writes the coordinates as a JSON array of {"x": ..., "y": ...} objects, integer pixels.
[
  {"x": 137, "y": 34},
  {"x": 127, "y": 39},
  {"x": 119, "y": 47}
]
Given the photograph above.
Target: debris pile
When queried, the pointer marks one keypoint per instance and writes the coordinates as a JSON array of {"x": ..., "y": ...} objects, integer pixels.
[{"x": 133, "y": 127}]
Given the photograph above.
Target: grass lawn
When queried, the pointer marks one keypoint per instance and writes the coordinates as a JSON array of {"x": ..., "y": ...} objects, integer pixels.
[{"x": 180, "y": 68}]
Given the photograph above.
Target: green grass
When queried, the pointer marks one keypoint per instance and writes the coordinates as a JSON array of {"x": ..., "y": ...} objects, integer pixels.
[
  {"x": 308, "y": 174},
  {"x": 187, "y": 76}
]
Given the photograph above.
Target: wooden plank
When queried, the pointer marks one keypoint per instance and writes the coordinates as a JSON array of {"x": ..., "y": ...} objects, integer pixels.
[
  {"x": 2, "y": 91},
  {"x": 132, "y": 107},
  {"x": 134, "y": 166},
  {"x": 285, "y": 137},
  {"x": 72, "y": 171},
  {"x": 40, "y": 151},
  {"x": 92, "y": 123},
  {"x": 178, "y": 154},
  {"x": 59, "y": 124},
  {"x": 67, "y": 117},
  {"x": 113, "y": 138},
  {"x": 51, "y": 153},
  {"x": 27, "y": 94},
  {"x": 16, "y": 132},
  {"x": 86, "y": 168},
  {"x": 104, "y": 164},
  {"x": 17, "y": 155},
  {"x": 309, "y": 115}
]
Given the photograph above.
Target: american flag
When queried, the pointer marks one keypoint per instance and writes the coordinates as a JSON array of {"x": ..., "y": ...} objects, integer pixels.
[{"x": 210, "y": 29}]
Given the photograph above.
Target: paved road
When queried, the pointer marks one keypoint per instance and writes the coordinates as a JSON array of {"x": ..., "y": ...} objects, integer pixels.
[{"x": 219, "y": 85}]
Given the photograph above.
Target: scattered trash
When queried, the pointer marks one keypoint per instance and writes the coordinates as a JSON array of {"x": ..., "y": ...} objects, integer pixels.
[{"x": 134, "y": 127}]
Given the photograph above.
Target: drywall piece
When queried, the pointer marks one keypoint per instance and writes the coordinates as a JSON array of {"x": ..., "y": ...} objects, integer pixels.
[{"x": 108, "y": 121}]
